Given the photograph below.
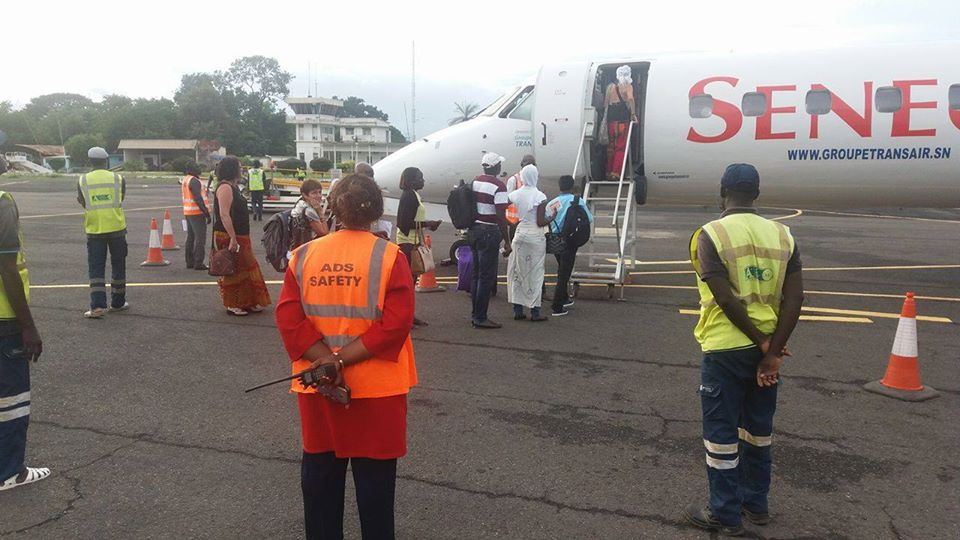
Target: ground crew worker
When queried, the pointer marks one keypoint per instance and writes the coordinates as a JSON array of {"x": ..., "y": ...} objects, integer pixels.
[
  {"x": 196, "y": 210},
  {"x": 514, "y": 183},
  {"x": 301, "y": 174},
  {"x": 256, "y": 189},
  {"x": 347, "y": 301},
  {"x": 751, "y": 290},
  {"x": 101, "y": 193},
  {"x": 19, "y": 343}
]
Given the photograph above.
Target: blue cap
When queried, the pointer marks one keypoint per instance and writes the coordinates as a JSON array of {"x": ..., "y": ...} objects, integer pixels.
[{"x": 741, "y": 177}]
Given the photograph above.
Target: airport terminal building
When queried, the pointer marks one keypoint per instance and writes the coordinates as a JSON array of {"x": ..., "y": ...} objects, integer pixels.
[{"x": 320, "y": 132}]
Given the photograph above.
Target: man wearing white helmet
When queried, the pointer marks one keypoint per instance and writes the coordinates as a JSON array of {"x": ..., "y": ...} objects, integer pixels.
[{"x": 101, "y": 194}]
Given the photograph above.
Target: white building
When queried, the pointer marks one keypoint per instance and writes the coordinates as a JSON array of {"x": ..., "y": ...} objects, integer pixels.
[{"x": 319, "y": 133}]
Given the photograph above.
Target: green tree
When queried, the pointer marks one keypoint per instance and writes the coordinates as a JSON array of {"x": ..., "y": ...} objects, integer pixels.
[
  {"x": 78, "y": 146},
  {"x": 257, "y": 76},
  {"x": 465, "y": 111},
  {"x": 321, "y": 164}
]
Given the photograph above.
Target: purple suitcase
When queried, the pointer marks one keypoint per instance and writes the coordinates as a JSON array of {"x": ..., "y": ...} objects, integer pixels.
[{"x": 464, "y": 268}]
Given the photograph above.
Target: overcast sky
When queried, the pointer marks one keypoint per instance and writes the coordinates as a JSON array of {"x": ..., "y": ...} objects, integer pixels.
[{"x": 465, "y": 51}]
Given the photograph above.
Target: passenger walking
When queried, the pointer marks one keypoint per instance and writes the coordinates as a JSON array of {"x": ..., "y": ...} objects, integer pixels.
[
  {"x": 20, "y": 343},
  {"x": 514, "y": 183},
  {"x": 256, "y": 187},
  {"x": 751, "y": 290},
  {"x": 525, "y": 265},
  {"x": 101, "y": 193},
  {"x": 621, "y": 109},
  {"x": 307, "y": 217},
  {"x": 364, "y": 168},
  {"x": 347, "y": 302},
  {"x": 567, "y": 259},
  {"x": 245, "y": 290},
  {"x": 485, "y": 236},
  {"x": 301, "y": 174},
  {"x": 412, "y": 217},
  {"x": 196, "y": 211}
]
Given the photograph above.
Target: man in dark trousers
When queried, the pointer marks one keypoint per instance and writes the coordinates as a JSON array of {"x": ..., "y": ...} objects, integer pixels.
[
  {"x": 19, "y": 344},
  {"x": 485, "y": 236},
  {"x": 751, "y": 290},
  {"x": 566, "y": 260},
  {"x": 196, "y": 210}
]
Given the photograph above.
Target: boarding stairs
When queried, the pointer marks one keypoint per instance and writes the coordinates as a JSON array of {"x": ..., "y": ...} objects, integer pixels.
[
  {"x": 611, "y": 253},
  {"x": 22, "y": 161}
]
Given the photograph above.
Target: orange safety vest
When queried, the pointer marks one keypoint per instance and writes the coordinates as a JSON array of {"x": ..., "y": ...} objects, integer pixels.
[
  {"x": 190, "y": 206},
  {"x": 343, "y": 281},
  {"x": 513, "y": 216}
]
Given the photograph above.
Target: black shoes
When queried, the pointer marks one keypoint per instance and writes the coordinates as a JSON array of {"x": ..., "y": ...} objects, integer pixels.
[
  {"x": 201, "y": 267},
  {"x": 704, "y": 519},
  {"x": 487, "y": 324}
]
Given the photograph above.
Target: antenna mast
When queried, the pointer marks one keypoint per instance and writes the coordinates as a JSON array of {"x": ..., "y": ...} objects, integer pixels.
[{"x": 413, "y": 92}]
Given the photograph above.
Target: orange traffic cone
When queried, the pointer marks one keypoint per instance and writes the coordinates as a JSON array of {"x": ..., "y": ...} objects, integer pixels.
[
  {"x": 154, "y": 255},
  {"x": 902, "y": 379},
  {"x": 428, "y": 280},
  {"x": 168, "y": 243}
]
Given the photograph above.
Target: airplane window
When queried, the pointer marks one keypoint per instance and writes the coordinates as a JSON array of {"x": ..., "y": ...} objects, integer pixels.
[
  {"x": 517, "y": 101},
  {"x": 524, "y": 110},
  {"x": 888, "y": 99},
  {"x": 701, "y": 106},
  {"x": 754, "y": 104},
  {"x": 819, "y": 102},
  {"x": 954, "y": 97},
  {"x": 491, "y": 109}
]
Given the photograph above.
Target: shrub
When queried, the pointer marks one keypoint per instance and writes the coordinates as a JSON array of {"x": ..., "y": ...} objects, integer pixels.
[
  {"x": 178, "y": 164},
  {"x": 246, "y": 161},
  {"x": 291, "y": 164},
  {"x": 321, "y": 165},
  {"x": 57, "y": 164},
  {"x": 134, "y": 165},
  {"x": 347, "y": 166},
  {"x": 78, "y": 145}
]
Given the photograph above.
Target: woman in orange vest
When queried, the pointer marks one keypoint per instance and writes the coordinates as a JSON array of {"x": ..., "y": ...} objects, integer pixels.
[{"x": 347, "y": 301}]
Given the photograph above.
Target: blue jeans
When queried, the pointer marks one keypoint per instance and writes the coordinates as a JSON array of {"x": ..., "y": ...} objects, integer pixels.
[
  {"x": 97, "y": 266},
  {"x": 14, "y": 405},
  {"x": 737, "y": 428},
  {"x": 485, "y": 244}
]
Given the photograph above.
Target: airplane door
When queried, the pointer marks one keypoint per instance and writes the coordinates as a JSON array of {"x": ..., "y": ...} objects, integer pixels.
[{"x": 558, "y": 116}]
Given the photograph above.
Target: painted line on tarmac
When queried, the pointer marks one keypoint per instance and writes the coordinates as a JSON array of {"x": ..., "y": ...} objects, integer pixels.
[
  {"x": 170, "y": 206},
  {"x": 879, "y": 216},
  {"x": 877, "y": 314},
  {"x": 796, "y": 213},
  {"x": 812, "y": 318},
  {"x": 154, "y": 284}
]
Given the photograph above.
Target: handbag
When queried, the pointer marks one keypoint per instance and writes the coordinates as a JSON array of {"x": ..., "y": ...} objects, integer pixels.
[
  {"x": 223, "y": 262},
  {"x": 556, "y": 243},
  {"x": 421, "y": 258}
]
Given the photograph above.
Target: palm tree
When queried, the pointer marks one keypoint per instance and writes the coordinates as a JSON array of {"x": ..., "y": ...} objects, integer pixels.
[{"x": 465, "y": 111}]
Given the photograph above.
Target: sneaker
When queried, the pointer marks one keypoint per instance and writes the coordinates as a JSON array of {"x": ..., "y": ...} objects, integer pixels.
[
  {"x": 560, "y": 312},
  {"x": 704, "y": 519},
  {"x": 95, "y": 313},
  {"x": 757, "y": 518},
  {"x": 487, "y": 324},
  {"x": 124, "y": 307},
  {"x": 236, "y": 311},
  {"x": 255, "y": 309},
  {"x": 569, "y": 304},
  {"x": 28, "y": 475}
]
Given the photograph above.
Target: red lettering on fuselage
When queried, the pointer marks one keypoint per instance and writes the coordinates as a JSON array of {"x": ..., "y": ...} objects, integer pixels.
[
  {"x": 901, "y": 118},
  {"x": 765, "y": 121},
  {"x": 727, "y": 111},
  {"x": 861, "y": 124}
]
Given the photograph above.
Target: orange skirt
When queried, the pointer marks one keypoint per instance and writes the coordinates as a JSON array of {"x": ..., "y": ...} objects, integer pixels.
[{"x": 245, "y": 288}]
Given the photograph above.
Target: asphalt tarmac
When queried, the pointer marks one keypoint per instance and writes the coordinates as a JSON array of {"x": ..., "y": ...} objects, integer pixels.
[{"x": 586, "y": 426}]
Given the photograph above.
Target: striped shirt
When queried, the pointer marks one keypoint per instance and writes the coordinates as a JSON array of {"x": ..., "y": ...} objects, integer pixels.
[{"x": 491, "y": 196}]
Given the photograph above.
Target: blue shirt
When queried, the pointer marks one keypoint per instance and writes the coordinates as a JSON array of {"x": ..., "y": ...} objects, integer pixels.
[{"x": 559, "y": 207}]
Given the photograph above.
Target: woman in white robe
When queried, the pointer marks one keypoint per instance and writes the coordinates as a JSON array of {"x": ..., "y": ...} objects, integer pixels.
[{"x": 525, "y": 265}]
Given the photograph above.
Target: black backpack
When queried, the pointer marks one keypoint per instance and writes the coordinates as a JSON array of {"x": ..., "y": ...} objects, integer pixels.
[
  {"x": 576, "y": 224},
  {"x": 462, "y": 205},
  {"x": 276, "y": 240}
]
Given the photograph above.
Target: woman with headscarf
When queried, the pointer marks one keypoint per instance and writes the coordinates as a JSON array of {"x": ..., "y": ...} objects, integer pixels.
[
  {"x": 525, "y": 265},
  {"x": 621, "y": 109}
]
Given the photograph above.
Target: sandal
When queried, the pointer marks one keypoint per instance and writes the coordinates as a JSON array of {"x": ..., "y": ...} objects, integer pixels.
[
  {"x": 29, "y": 475},
  {"x": 236, "y": 311}
]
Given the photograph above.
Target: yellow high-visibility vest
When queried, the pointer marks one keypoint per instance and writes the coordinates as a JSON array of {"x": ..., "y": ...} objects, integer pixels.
[
  {"x": 6, "y": 309},
  {"x": 102, "y": 194},
  {"x": 256, "y": 180},
  {"x": 755, "y": 251}
]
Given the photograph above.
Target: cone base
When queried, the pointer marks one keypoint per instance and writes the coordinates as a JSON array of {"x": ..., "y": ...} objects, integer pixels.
[
  {"x": 161, "y": 263},
  {"x": 438, "y": 288},
  {"x": 174, "y": 248},
  {"x": 923, "y": 394}
]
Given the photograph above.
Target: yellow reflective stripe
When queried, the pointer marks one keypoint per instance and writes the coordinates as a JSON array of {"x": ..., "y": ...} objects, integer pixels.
[
  {"x": 13, "y": 414},
  {"x": 339, "y": 341},
  {"x": 722, "y": 464},
  {"x": 755, "y": 440},
  {"x": 718, "y": 448},
  {"x": 694, "y": 241},
  {"x": 10, "y": 401},
  {"x": 788, "y": 252}
]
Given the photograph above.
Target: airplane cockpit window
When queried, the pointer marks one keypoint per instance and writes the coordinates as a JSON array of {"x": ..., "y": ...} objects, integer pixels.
[
  {"x": 521, "y": 108},
  {"x": 888, "y": 99},
  {"x": 754, "y": 104},
  {"x": 491, "y": 109},
  {"x": 819, "y": 102},
  {"x": 954, "y": 97},
  {"x": 701, "y": 106}
]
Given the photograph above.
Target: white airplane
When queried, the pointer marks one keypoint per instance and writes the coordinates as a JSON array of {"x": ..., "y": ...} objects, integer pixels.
[{"x": 838, "y": 128}]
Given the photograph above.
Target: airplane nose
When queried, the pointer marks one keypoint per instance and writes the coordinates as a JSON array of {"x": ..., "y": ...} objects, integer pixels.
[{"x": 387, "y": 171}]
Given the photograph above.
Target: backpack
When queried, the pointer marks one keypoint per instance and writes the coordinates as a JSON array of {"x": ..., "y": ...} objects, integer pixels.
[
  {"x": 576, "y": 224},
  {"x": 276, "y": 240},
  {"x": 462, "y": 205}
]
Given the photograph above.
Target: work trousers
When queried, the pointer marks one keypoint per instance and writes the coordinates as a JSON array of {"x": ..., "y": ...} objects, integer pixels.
[
  {"x": 14, "y": 405},
  {"x": 565, "y": 263},
  {"x": 195, "y": 249},
  {"x": 485, "y": 245},
  {"x": 737, "y": 428},
  {"x": 256, "y": 200},
  {"x": 323, "y": 480},
  {"x": 97, "y": 266}
]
